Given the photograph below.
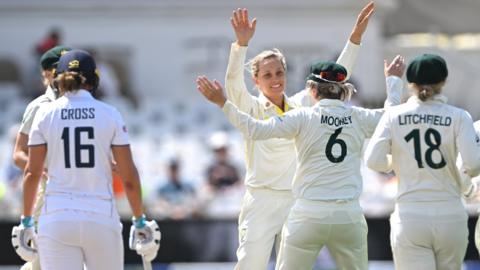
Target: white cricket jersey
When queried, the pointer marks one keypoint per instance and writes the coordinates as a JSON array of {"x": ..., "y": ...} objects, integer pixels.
[
  {"x": 270, "y": 163},
  {"x": 328, "y": 139},
  {"x": 32, "y": 108},
  {"x": 79, "y": 132},
  {"x": 424, "y": 139}
]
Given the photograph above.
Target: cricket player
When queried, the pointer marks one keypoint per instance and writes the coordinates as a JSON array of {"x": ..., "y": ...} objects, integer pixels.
[
  {"x": 48, "y": 62},
  {"x": 470, "y": 190},
  {"x": 270, "y": 164},
  {"x": 328, "y": 140},
  {"x": 420, "y": 140},
  {"x": 76, "y": 136}
]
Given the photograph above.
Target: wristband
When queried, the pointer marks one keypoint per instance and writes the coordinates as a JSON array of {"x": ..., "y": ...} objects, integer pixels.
[
  {"x": 139, "y": 222},
  {"x": 27, "y": 221}
]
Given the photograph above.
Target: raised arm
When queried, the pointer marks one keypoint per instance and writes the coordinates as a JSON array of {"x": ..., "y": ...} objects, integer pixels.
[
  {"x": 349, "y": 55},
  {"x": 393, "y": 73},
  {"x": 393, "y": 76},
  {"x": 235, "y": 86},
  {"x": 286, "y": 126},
  {"x": 378, "y": 152}
]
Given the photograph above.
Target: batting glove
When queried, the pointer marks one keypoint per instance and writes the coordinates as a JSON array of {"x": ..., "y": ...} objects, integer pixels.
[
  {"x": 145, "y": 237},
  {"x": 24, "y": 239}
]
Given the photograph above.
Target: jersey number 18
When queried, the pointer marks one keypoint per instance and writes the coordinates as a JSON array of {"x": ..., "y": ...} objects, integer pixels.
[{"x": 432, "y": 146}]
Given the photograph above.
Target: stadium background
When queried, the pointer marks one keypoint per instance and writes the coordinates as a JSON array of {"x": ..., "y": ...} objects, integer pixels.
[{"x": 157, "y": 48}]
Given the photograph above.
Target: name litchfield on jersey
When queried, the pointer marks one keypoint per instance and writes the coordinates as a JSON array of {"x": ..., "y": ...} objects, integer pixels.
[{"x": 436, "y": 120}]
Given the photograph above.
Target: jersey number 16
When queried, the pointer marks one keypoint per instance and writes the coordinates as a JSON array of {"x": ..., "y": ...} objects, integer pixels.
[{"x": 78, "y": 147}]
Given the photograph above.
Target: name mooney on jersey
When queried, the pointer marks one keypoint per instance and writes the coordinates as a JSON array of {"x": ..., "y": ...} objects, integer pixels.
[
  {"x": 336, "y": 121},
  {"x": 431, "y": 119},
  {"x": 77, "y": 113}
]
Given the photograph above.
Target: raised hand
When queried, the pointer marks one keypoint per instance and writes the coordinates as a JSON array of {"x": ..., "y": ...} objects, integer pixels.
[
  {"x": 362, "y": 23},
  {"x": 213, "y": 91},
  {"x": 243, "y": 27},
  {"x": 395, "y": 68}
]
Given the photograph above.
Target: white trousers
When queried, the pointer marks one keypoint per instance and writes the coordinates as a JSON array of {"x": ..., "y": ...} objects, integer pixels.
[
  {"x": 71, "y": 244},
  {"x": 304, "y": 235},
  {"x": 263, "y": 213},
  {"x": 429, "y": 237}
]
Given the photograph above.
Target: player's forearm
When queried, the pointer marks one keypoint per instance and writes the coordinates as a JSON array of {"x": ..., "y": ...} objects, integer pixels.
[
  {"x": 348, "y": 57},
  {"x": 235, "y": 86},
  {"x": 394, "y": 91},
  {"x": 30, "y": 186},
  {"x": 20, "y": 159},
  {"x": 133, "y": 191}
]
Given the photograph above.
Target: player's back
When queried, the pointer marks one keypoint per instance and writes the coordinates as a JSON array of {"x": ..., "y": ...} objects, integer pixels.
[
  {"x": 425, "y": 138},
  {"x": 79, "y": 132},
  {"x": 329, "y": 150}
]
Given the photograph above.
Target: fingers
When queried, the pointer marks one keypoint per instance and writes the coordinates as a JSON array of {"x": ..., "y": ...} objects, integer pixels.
[
  {"x": 240, "y": 18},
  {"x": 367, "y": 11},
  {"x": 244, "y": 13},
  {"x": 217, "y": 84},
  {"x": 206, "y": 86},
  {"x": 254, "y": 23},
  {"x": 398, "y": 61},
  {"x": 237, "y": 16}
]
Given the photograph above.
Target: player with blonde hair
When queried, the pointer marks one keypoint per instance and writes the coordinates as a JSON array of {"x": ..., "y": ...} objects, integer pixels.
[
  {"x": 270, "y": 164},
  {"x": 420, "y": 140},
  {"x": 328, "y": 140}
]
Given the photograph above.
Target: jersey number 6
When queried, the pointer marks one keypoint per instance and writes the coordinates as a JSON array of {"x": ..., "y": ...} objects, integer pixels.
[{"x": 331, "y": 142}]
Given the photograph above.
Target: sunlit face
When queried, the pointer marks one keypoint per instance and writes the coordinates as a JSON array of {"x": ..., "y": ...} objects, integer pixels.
[{"x": 271, "y": 79}]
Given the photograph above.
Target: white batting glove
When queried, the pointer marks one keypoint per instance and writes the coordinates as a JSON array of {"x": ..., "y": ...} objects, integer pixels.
[
  {"x": 145, "y": 238},
  {"x": 24, "y": 239}
]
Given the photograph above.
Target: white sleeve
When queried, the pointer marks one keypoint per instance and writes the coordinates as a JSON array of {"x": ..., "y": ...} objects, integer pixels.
[
  {"x": 235, "y": 86},
  {"x": 348, "y": 57},
  {"x": 394, "y": 91},
  {"x": 120, "y": 136},
  {"x": 37, "y": 129},
  {"x": 303, "y": 98},
  {"x": 378, "y": 152},
  {"x": 468, "y": 143},
  {"x": 28, "y": 117},
  {"x": 286, "y": 126}
]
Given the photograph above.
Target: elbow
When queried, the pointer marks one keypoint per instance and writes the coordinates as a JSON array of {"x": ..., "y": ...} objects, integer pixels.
[
  {"x": 473, "y": 171},
  {"x": 379, "y": 165}
]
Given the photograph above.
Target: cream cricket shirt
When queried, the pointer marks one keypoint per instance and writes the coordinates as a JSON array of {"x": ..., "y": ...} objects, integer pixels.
[
  {"x": 328, "y": 139},
  {"x": 424, "y": 139},
  {"x": 79, "y": 132},
  {"x": 32, "y": 108},
  {"x": 269, "y": 163}
]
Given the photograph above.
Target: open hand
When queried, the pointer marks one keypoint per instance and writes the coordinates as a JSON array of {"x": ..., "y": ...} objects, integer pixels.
[
  {"x": 243, "y": 27},
  {"x": 395, "y": 68},
  {"x": 213, "y": 91},
  {"x": 362, "y": 23}
]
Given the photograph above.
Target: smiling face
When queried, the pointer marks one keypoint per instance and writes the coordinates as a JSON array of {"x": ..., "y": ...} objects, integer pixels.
[{"x": 271, "y": 79}]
